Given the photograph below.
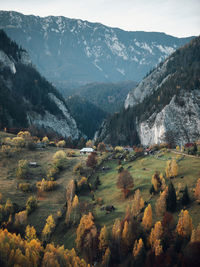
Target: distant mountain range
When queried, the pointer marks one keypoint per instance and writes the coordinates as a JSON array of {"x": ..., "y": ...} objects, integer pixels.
[
  {"x": 166, "y": 102},
  {"x": 28, "y": 99},
  {"x": 72, "y": 52}
]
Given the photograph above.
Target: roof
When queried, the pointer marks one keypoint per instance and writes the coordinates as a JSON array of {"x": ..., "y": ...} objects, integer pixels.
[{"x": 87, "y": 149}]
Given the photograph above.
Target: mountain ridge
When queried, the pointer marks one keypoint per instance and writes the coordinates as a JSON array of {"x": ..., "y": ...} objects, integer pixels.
[
  {"x": 170, "y": 103},
  {"x": 76, "y": 51}
]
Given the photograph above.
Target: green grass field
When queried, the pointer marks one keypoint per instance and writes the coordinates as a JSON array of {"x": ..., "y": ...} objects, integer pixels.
[{"x": 141, "y": 170}]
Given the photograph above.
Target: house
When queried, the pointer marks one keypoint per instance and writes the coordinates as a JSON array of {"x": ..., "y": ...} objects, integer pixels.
[{"x": 86, "y": 150}]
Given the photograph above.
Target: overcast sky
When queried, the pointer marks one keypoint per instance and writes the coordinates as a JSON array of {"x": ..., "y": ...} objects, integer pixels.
[{"x": 176, "y": 17}]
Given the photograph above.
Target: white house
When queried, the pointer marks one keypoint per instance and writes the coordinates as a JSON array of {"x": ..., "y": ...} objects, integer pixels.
[{"x": 86, "y": 150}]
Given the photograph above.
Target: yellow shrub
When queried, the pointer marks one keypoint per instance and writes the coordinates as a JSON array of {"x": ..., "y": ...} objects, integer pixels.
[
  {"x": 45, "y": 140},
  {"x": 22, "y": 169},
  {"x": 118, "y": 149},
  {"x": 18, "y": 141},
  {"x": 45, "y": 185},
  {"x": 61, "y": 143},
  {"x": 24, "y": 134}
]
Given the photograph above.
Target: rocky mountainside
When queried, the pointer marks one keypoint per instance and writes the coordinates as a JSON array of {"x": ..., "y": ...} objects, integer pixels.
[
  {"x": 87, "y": 115},
  {"x": 68, "y": 51},
  {"x": 26, "y": 98},
  {"x": 166, "y": 101},
  {"x": 107, "y": 96}
]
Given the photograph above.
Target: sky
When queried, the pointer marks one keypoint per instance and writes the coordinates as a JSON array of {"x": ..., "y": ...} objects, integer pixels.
[{"x": 179, "y": 18}]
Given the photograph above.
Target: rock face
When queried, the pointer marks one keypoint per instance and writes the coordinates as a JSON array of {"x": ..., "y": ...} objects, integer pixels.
[
  {"x": 28, "y": 99},
  {"x": 68, "y": 51},
  {"x": 183, "y": 121},
  {"x": 166, "y": 101}
]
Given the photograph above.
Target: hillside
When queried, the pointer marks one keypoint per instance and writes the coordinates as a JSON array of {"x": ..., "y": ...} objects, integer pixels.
[
  {"x": 94, "y": 193},
  {"x": 26, "y": 98},
  {"x": 88, "y": 116},
  {"x": 167, "y": 100},
  {"x": 71, "y": 51}
]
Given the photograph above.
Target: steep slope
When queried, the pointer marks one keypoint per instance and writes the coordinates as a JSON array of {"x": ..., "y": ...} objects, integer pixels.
[
  {"x": 26, "y": 98},
  {"x": 167, "y": 100},
  {"x": 68, "y": 51},
  {"x": 109, "y": 97},
  {"x": 87, "y": 115}
]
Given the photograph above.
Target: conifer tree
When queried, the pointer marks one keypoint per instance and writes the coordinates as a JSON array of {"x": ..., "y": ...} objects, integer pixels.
[
  {"x": 171, "y": 198},
  {"x": 195, "y": 237},
  {"x": 103, "y": 239},
  {"x": 161, "y": 203},
  {"x": 156, "y": 234},
  {"x": 185, "y": 200},
  {"x": 197, "y": 191},
  {"x": 171, "y": 168},
  {"x": 184, "y": 226},
  {"x": 147, "y": 218},
  {"x": 30, "y": 233},
  {"x": 138, "y": 246},
  {"x": 138, "y": 203},
  {"x": 106, "y": 258},
  {"x": 127, "y": 235}
]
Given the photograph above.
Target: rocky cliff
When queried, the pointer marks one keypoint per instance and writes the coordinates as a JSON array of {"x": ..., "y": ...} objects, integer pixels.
[
  {"x": 167, "y": 100},
  {"x": 26, "y": 98}
]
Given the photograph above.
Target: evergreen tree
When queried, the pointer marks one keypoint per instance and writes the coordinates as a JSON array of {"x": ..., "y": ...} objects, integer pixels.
[
  {"x": 171, "y": 198},
  {"x": 185, "y": 200}
]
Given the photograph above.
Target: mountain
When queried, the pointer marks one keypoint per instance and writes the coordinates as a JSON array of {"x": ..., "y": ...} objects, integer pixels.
[
  {"x": 166, "y": 102},
  {"x": 26, "y": 98},
  {"x": 109, "y": 97},
  {"x": 71, "y": 51},
  {"x": 87, "y": 115}
]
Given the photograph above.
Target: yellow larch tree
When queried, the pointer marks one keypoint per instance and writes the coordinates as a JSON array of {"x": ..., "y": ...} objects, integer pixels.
[
  {"x": 171, "y": 169},
  {"x": 127, "y": 235},
  {"x": 184, "y": 226},
  {"x": 197, "y": 191},
  {"x": 161, "y": 203},
  {"x": 195, "y": 236},
  {"x": 138, "y": 203},
  {"x": 138, "y": 246},
  {"x": 48, "y": 228},
  {"x": 158, "y": 248},
  {"x": 156, "y": 234},
  {"x": 30, "y": 233},
  {"x": 147, "y": 218},
  {"x": 103, "y": 239},
  {"x": 106, "y": 258}
]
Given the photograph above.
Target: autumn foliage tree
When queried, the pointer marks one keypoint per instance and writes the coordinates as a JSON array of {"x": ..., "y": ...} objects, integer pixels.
[
  {"x": 197, "y": 191},
  {"x": 195, "y": 236},
  {"x": 138, "y": 203},
  {"x": 184, "y": 226},
  {"x": 161, "y": 203},
  {"x": 147, "y": 218},
  {"x": 125, "y": 182},
  {"x": 155, "y": 238},
  {"x": 171, "y": 169},
  {"x": 103, "y": 239},
  {"x": 92, "y": 160},
  {"x": 86, "y": 237},
  {"x": 48, "y": 228}
]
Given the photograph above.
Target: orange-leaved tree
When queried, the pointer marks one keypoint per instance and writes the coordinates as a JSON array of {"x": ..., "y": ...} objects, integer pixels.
[{"x": 125, "y": 182}]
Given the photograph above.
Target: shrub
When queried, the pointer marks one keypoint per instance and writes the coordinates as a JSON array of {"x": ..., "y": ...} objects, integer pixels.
[
  {"x": 22, "y": 169},
  {"x": 6, "y": 150},
  {"x": 45, "y": 140},
  {"x": 60, "y": 159},
  {"x": 18, "y": 141},
  {"x": 119, "y": 149},
  {"x": 21, "y": 218},
  {"x": 83, "y": 184},
  {"x": 24, "y": 134},
  {"x": 25, "y": 187},
  {"x": 31, "y": 204},
  {"x": 78, "y": 168},
  {"x": 45, "y": 185},
  {"x": 71, "y": 153},
  {"x": 51, "y": 174},
  {"x": 61, "y": 143}
]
